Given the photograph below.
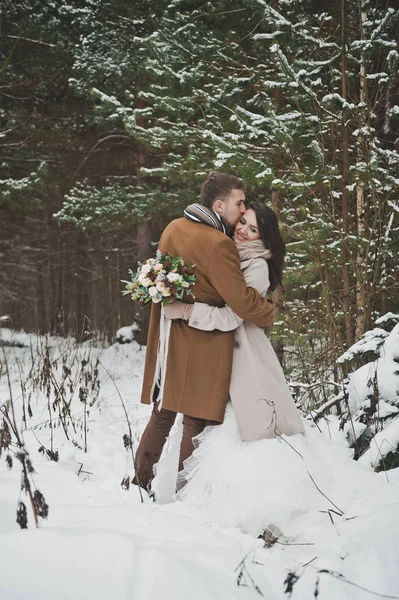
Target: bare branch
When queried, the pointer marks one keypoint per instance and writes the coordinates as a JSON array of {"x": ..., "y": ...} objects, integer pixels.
[{"x": 24, "y": 39}]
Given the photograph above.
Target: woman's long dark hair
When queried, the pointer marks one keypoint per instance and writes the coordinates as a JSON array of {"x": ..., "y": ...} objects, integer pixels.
[{"x": 270, "y": 235}]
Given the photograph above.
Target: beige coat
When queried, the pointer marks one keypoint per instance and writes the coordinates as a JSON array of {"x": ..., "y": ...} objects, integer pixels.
[
  {"x": 199, "y": 362},
  {"x": 262, "y": 403}
]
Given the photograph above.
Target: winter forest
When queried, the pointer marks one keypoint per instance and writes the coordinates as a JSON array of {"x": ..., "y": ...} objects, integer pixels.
[{"x": 112, "y": 114}]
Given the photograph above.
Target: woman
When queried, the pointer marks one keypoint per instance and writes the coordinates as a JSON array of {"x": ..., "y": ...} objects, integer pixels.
[{"x": 262, "y": 404}]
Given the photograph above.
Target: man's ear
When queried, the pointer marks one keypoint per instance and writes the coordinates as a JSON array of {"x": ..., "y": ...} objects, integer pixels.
[{"x": 218, "y": 206}]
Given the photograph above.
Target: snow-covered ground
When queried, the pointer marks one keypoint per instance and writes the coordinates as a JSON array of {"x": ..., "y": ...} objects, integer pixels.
[{"x": 100, "y": 541}]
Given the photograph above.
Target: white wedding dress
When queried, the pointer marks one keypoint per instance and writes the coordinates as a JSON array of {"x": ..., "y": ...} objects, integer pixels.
[{"x": 287, "y": 482}]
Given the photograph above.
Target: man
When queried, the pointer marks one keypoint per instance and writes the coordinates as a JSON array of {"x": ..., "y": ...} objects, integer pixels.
[{"x": 197, "y": 378}]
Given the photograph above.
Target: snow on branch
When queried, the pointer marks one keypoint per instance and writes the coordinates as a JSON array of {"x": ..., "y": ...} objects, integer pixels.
[{"x": 370, "y": 342}]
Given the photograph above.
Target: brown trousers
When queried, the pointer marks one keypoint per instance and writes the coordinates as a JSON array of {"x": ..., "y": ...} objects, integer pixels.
[{"x": 153, "y": 440}]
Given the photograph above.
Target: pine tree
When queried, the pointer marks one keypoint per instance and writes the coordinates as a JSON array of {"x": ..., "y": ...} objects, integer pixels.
[
  {"x": 56, "y": 142},
  {"x": 299, "y": 100}
]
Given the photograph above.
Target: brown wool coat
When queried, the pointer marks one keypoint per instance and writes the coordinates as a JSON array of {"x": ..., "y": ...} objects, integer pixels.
[{"x": 199, "y": 362}]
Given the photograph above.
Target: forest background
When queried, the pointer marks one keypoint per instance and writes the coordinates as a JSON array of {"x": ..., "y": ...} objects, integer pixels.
[{"x": 113, "y": 112}]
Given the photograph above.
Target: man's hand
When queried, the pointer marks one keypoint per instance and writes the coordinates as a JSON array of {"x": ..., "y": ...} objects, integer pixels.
[{"x": 178, "y": 310}]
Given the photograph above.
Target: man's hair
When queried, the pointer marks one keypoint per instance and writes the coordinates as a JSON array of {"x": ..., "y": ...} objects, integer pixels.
[{"x": 219, "y": 185}]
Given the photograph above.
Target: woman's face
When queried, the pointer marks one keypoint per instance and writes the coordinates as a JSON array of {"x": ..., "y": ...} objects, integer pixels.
[{"x": 247, "y": 228}]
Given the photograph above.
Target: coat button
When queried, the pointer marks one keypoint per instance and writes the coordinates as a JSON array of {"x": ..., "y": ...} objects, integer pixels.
[
  {"x": 237, "y": 345},
  {"x": 195, "y": 323}
]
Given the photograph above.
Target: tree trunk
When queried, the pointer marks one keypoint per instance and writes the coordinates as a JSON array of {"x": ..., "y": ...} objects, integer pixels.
[
  {"x": 361, "y": 271},
  {"x": 346, "y": 300},
  {"x": 81, "y": 286},
  {"x": 118, "y": 283},
  {"x": 144, "y": 251}
]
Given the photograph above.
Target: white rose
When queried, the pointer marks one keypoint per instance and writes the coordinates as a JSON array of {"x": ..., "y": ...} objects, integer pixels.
[
  {"x": 150, "y": 261},
  {"x": 158, "y": 267},
  {"x": 145, "y": 281},
  {"x": 166, "y": 292},
  {"x": 153, "y": 291},
  {"x": 174, "y": 277},
  {"x": 145, "y": 269},
  {"x": 160, "y": 286},
  {"x": 156, "y": 299}
]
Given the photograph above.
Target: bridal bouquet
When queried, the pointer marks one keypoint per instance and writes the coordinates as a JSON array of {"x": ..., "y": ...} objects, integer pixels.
[{"x": 161, "y": 279}]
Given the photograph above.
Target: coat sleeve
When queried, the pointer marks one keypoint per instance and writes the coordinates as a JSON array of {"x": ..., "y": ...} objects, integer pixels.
[
  {"x": 208, "y": 317},
  {"x": 225, "y": 275}
]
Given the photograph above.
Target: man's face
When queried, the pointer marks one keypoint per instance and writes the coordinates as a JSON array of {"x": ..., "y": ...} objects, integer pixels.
[{"x": 232, "y": 206}]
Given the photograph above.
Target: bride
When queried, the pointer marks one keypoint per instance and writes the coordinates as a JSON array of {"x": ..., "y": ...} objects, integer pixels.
[{"x": 265, "y": 464}]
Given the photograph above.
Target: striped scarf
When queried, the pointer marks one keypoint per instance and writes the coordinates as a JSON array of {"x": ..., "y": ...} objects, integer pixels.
[{"x": 201, "y": 214}]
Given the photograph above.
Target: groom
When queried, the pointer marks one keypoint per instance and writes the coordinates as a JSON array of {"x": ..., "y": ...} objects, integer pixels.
[{"x": 199, "y": 363}]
